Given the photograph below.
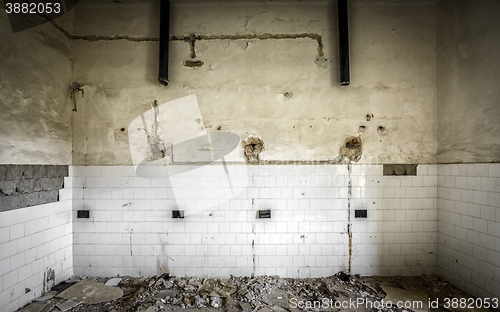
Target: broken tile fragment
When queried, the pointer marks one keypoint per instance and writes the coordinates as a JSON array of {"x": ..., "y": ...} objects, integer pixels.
[
  {"x": 47, "y": 296},
  {"x": 66, "y": 305},
  {"x": 113, "y": 282},
  {"x": 33, "y": 307}
]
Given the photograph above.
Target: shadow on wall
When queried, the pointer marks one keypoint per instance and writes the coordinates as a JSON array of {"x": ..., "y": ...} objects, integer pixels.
[{"x": 173, "y": 136}]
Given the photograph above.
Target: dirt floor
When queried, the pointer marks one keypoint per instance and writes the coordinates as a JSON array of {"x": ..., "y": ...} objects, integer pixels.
[{"x": 256, "y": 294}]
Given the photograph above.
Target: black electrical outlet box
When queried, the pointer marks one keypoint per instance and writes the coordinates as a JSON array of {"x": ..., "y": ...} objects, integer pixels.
[
  {"x": 264, "y": 214},
  {"x": 360, "y": 214},
  {"x": 178, "y": 214},
  {"x": 85, "y": 214}
]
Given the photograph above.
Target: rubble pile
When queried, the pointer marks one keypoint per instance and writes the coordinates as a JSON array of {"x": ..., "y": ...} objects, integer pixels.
[{"x": 247, "y": 294}]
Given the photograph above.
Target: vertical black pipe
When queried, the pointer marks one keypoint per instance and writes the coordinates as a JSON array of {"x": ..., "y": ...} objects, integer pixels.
[
  {"x": 345, "y": 76},
  {"x": 164, "y": 40}
]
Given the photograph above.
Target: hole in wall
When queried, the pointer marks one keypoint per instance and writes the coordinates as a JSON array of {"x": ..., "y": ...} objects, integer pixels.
[
  {"x": 382, "y": 131},
  {"x": 252, "y": 147}
]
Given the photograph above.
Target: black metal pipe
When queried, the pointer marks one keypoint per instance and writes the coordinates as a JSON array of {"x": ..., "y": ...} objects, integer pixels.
[
  {"x": 164, "y": 40},
  {"x": 345, "y": 76}
]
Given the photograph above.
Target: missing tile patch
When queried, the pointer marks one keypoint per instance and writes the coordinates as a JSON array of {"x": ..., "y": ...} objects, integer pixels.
[{"x": 400, "y": 169}]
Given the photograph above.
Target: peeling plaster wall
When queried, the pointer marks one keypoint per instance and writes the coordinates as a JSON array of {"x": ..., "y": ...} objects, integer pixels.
[
  {"x": 35, "y": 75},
  {"x": 274, "y": 88},
  {"x": 468, "y": 75},
  {"x": 35, "y": 128}
]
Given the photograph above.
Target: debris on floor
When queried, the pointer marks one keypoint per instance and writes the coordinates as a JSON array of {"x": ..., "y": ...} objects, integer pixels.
[
  {"x": 251, "y": 294},
  {"x": 396, "y": 294},
  {"x": 33, "y": 307}
]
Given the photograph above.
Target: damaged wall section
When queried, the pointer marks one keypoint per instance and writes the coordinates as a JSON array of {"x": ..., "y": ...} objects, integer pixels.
[
  {"x": 30, "y": 185},
  {"x": 252, "y": 147}
]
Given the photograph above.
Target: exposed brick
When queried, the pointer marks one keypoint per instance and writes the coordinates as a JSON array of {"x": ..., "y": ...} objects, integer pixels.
[
  {"x": 19, "y": 201},
  {"x": 25, "y": 186},
  {"x": 40, "y": 171},
  {"x": 37, "y": 187},
  {"x": 59, "y": 183},
  {"x": 3, "y": 172},
  {"x": 388, "y": 170},
  {"x": 47, "y": 184},
  {"x": 29, "y": 171},
  {"x": 52, "y": 171},
  {"x": 5, "y": 203},
  {"x": 8, "y": 187},
  {"x": 14, "y": 172},
  {"x": 63, "y": 171},
  {"x": 43, "y": 198},
  {"x": 30, "y": 185},
  {"x": 32, "y": 199},
  {"x": 400, "y": 169},
  {"x": 53, "y": 196}
]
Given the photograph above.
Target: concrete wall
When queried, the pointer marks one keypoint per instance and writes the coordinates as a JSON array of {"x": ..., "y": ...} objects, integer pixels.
[
  {"x": 35, "y": 78},
  {"x": 283, "y": 90},
  {"x": 468, "y": 72}
]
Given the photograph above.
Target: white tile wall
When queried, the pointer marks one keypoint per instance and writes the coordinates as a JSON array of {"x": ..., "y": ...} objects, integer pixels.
[
  {"x": 447, "y": 215},
  {"x": 131, "y": 231},
  {"x": 33, "y": 240},
  {"x": 399, "y": 237},
  {"x": 469, "y": 227}
]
